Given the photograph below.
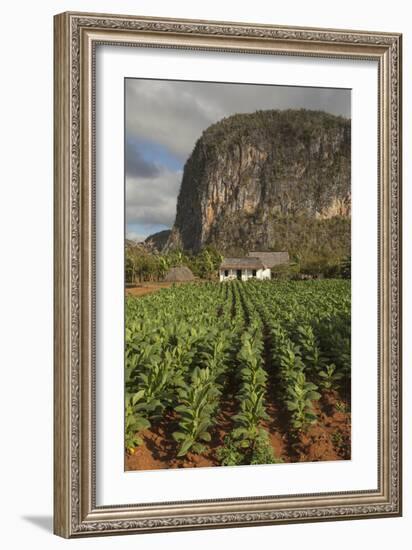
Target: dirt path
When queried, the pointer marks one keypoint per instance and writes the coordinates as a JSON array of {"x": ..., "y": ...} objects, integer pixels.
[
  {"x": 141, "y": 289},
  {"x": 277, "y": 420}
]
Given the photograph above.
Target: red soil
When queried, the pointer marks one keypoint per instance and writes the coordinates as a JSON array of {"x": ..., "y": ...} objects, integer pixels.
[
  {"x": 159, "y": 449},
  {"x": 142, "y": 289},
  {"x": 329, "y": 439}
]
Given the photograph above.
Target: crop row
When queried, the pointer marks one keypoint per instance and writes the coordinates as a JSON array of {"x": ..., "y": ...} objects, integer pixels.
[{"x": 185, "y": 345}]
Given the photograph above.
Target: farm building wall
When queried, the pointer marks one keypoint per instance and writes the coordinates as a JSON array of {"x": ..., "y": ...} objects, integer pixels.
[{"x": 230, "y": 274}]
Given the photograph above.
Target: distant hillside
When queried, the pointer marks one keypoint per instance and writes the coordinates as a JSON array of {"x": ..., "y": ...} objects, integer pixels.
[
  {"x": 267, "y": 180},
  {"x": 158, "y": 240}
]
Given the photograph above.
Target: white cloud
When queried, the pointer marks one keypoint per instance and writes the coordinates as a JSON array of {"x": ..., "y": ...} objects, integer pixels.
[
  {"x": 153, "y": 200},
  {"x": 170, "y": 115},
  {"x": 174, "y": 113}
]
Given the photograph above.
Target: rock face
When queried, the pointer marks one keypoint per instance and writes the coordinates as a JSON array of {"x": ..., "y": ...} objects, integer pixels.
[{"x": 249, "y": 170}]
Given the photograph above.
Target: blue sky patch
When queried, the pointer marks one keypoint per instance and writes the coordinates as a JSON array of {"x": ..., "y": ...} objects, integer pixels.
[{"x": 156, "y": 153}]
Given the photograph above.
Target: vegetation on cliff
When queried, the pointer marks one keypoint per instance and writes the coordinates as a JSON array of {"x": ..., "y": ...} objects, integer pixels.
[
  {"x": 268, "y": 167},
  {"x": 269, "y": 180}
]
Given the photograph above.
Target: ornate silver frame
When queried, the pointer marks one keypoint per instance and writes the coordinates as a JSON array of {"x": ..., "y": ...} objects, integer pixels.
[{"x": 75, "y": 38}]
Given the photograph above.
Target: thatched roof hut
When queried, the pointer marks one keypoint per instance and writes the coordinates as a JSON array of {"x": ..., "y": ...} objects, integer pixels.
[{"x": 179, "y": 274}]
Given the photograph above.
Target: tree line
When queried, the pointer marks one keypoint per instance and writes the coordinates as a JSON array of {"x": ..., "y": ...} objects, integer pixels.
[{"x": 145, "y": 265}]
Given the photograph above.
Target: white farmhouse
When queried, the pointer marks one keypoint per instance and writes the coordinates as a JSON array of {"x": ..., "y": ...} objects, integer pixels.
[
  {"x": 256, "y": 265},
  {"x": 243, "y": 269}
]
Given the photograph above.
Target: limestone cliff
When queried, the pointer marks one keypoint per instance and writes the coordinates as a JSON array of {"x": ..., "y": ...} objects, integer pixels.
[{"x": 250, "y": 172}]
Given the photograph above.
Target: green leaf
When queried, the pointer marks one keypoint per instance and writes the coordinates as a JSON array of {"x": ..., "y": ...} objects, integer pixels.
[
  {"x": 239, "y": 432},
  {"x": 178, "y": 436},
  {"x": 198, "y": 448},
  {"x": 185, "y": 447},
  {"x": 182, "y": 408},
  {"x": 313, "y": 396},
  {"x": 205, "y": 436},
  {"x": 137, "y": 396},
  {"x": 141, "y": 424}
]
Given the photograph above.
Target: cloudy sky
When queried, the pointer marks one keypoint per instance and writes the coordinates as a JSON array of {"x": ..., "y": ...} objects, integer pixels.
[{"x": 165, "y": 118}]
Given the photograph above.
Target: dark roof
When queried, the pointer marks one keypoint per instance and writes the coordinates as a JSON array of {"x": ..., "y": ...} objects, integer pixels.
[
  {"x": 270, "y": 259},
  {"x": 239, "y": 263},
  {"x": 177, "y": 274}
]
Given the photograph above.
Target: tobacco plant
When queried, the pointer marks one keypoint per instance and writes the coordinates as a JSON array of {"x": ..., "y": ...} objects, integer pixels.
[
  {"x": 330, "y": 377},
  {"x": 186, "y": 345},
  {"x": 135, "y": 420},
  {"x": 198, "y": 402},
  {"x": 300, "y": 396}
]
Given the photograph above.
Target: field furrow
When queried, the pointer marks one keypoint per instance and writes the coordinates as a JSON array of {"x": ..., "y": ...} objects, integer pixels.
[{"x": 238, "y": 373}]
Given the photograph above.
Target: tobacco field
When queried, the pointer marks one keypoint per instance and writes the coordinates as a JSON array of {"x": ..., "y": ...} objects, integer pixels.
[{"x": 224, "y": 374}]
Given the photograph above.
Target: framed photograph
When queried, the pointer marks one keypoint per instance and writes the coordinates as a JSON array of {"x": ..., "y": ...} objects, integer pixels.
[{"x": 227, "y": 274}]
